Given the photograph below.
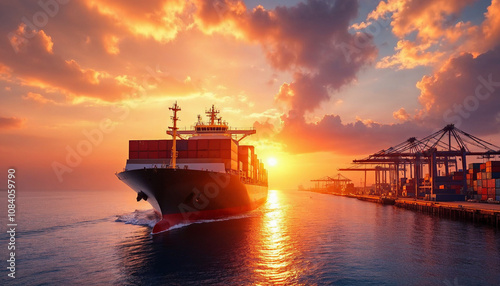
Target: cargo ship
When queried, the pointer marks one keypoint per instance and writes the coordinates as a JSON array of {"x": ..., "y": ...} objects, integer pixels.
[{"x": 199, "y": 174}]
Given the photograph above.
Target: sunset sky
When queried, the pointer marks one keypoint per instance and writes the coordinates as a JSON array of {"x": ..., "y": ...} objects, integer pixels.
[{"x": 323, "y": 82}]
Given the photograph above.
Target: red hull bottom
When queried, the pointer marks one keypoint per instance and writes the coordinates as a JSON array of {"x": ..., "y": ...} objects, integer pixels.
[{"x": 170, "y": 220}]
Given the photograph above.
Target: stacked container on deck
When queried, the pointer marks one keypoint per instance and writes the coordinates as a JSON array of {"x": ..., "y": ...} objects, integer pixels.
[
  {"x": 236, "y": 158},
  {"x": 245, "y": 157},
  {"x": 225, "y": 149},
  {"x": 150, "y": 149}
]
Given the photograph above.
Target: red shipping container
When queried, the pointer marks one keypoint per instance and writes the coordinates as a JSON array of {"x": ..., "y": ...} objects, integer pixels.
[
  {"x": 192, "y": 154},
  {"x": 226, "y": 154},
  {"x": 214, "y": 144},
  {"x": 152, "y": 154},
  {"x": 484, "y": 197},
  {"x": 162, "y": 145},
  {"x": 153, "y": 145},
  {"x": 192, "y": 145},
  {"x": 491, "y": 191},
  {"x": 181, "y": 145},
  {"x": 143, "y": 145},
  {"x": 133, "y": 145},
  {"x": 182, "y": 154},
  {"x": 133, "y": 155},
  {"x": 493, "y": 164},
  {"x": 203, "y": 144},
  {"x": 226, "y": 144},
  {"x": 202, "y": 153},
  {"x": 143, "y": 154},
  {"x": 213, "y": 153},
  {"x": 164, "y": 154},
  {"x": 495, "y": 169},
  {"x": 483, "y": 166}
]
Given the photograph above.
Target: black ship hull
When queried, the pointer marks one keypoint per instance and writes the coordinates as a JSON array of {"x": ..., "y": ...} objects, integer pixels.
[{"x": 182, "y": 195}]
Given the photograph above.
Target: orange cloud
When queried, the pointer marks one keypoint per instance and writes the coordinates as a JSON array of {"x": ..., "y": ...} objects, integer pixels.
[
  {"x": 487, "y": 35},
  {"x": 401, "y": 115},
  {"x": 410, "y": 55},
  {"x": 430, "y": 22},
  {"x": 111, "y": 44},
  {"x": 221, "y": 16},
  {"x": 19, "y": 39},
  {"x": 38, "y": 98},
  {"x": 330, "y": 134},
  {"x": 34, "y": 63},
  {"x": 157, "y": 19},
  {"x": 11, "y": 122}
]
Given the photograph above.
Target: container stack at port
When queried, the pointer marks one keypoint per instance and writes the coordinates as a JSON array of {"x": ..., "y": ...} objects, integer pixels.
[
  {"x": 485, "y": 180},
  {"x": 236, "y": 158}
]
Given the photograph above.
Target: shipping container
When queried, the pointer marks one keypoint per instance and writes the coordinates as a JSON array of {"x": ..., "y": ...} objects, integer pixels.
[
  {"x": 202, "y": 153},
  {"x": 227, "y": 154},
  {"x": 152, "y": 154},
  {"x": 182, "y": 145},
  {"x": 492, "y": 183},
  {"x": 165, "y": 154},
  {"x": 192, "y": 145},
  {"x": 143, "y": 145},
  {"x": 493, "y": 164},
  {"x": 214, "y": 153},
  {"x": 493, "y": 175},
  {"x": 143, "y": 154},
  {"x": 497, "y": 198},
  {"x": 475, "y": 166},
  {"x": 214, "y": 144},
  {"x": 192, "y": 154},
  {"x": 133, "y": 154},
  {"x": 133, "y": 145},
  {"x": 152, "y": 145},
  {"x": 203, "y": 144},
  {"x": 226, "y": 144},
  {"x": 182, "y": 153},
  {"x": 483, "y": 167},
  {"x": 162, "y": 145},
  {"x": 492, "y": 169},
  {"x": 484, "y": 197}
]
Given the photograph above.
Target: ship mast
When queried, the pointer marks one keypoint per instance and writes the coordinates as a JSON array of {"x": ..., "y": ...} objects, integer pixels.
[
  {"x": 174, "y": 118},
  {"x": 212, "y": 114}
]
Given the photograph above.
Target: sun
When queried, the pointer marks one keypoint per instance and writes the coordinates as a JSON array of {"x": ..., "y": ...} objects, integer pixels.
[{"x": 272, "y": 162}]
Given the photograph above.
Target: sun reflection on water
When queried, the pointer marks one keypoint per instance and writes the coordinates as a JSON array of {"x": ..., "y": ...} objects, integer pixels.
[{"x": 275, "y": 246}]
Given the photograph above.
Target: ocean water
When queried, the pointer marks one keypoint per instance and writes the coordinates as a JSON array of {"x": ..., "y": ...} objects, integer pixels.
[{"x": 296, "y": 238}]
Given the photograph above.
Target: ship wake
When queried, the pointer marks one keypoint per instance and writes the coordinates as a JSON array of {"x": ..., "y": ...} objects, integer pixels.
[
  {"x": 150, "y": 218},
  {"x": 181, "y": 225},
  {"x": 140, "y": 217}
]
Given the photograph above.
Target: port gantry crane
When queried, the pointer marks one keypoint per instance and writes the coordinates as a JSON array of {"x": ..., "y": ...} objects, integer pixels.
[
  {"x": 440, "y": 149},
  {"x": 338, "y": 182}
]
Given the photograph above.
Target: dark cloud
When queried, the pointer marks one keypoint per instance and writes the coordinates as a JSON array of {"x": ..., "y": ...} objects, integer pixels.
[
  {"x": 465, "y": 92},
  {"x": 312, "y": 40}
]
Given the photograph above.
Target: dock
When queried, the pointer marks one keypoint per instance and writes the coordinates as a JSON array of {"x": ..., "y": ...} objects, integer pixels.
[{"x": 483, "y": 213}]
